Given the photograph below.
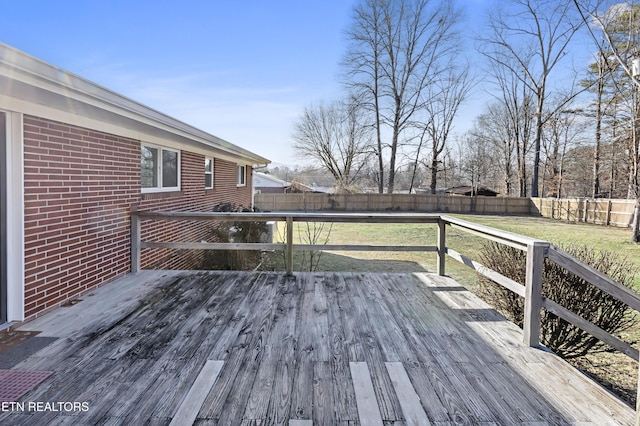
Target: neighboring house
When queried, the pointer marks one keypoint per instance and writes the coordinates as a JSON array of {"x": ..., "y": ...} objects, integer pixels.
[
  {"x": 315, "y": 188},
  {"x": 76, "y": 160},
  {"x": 471, "y": 191},
  {"x": 267, "y": 184}
]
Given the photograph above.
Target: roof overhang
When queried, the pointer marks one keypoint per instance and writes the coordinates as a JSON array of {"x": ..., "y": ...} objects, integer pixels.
[
  {"x": 26, "y": 81},
  {"x": 278, "y": 183}
]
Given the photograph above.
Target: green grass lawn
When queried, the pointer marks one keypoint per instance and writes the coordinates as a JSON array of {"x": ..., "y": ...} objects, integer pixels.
[
  {"x": 617, "y": 240},
  {"x": 562, "y": 234}
]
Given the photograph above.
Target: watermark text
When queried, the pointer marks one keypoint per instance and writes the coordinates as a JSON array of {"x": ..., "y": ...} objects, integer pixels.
[{"x": 41, "y": 406}]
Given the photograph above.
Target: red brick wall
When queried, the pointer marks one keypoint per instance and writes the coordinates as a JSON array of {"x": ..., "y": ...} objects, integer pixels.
[{"x": 80, "y": 186}]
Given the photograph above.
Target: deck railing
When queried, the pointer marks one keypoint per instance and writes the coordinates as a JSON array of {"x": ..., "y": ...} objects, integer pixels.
[{"x": 531, "y": 290}]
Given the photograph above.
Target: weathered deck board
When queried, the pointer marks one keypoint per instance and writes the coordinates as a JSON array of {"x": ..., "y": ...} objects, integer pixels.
[
  {"x": 137, "y": 347},
  {"x": 412, "y": 409},
  {"x": 189, "y": 407},
  {"x": 368, "y": 412},
  {"x": 343, "y": 389},
  {"x": 280, "y": 407},
  {"x": 372, "y": 349}
]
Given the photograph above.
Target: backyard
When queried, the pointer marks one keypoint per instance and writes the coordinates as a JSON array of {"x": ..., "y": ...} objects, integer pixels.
[{"x": 614, "y": 370}]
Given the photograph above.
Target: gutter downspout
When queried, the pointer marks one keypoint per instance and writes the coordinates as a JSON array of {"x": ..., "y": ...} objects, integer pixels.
[{"x": 253, "y": 192}]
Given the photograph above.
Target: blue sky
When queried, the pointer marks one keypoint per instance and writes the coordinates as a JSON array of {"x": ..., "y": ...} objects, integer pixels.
[{"x": 241, "y": 70}]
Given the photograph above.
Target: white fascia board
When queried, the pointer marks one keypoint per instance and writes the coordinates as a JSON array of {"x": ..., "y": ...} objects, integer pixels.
[
  {"x": 106, "y": 125},
  {"x": 26, "y": 78}
]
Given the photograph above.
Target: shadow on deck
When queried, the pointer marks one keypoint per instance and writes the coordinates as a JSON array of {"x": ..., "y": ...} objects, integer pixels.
[{"x": 321, "y": 348}]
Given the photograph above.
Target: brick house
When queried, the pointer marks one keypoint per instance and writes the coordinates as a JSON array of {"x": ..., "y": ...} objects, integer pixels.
[{"x": 76, "y": 160}]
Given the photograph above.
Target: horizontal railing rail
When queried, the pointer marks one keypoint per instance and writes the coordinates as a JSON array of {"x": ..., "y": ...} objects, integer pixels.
[
  {"x": 531, "y": 290},
  {"x": 288, "y": 246}
]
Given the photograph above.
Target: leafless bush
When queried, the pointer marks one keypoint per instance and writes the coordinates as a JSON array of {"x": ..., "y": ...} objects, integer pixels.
[
  {"x": 312, "y": 233},
  {"x": 568, "y": 290},
  {"x": 238, "y": 232}
]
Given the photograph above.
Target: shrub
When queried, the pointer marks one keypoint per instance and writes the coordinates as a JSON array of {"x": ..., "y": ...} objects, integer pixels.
[
  {"x": 239, "y": 232},
  {"x": 308, "y": 233},
  {"x": 567, "y": 289},
  {"x": 312, "y": 233}
]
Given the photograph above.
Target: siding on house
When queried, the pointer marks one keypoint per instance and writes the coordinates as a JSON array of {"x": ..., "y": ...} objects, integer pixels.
[
  {"x": 267, "y": 184},
  {"x": 79, "y": 187}
]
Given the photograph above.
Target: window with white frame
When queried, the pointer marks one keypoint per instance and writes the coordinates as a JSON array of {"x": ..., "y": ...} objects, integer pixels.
[
  {"x": 208, "y": 173},
  {"x": 242, "y": 175},
  {"x": 160, "y": 169}
]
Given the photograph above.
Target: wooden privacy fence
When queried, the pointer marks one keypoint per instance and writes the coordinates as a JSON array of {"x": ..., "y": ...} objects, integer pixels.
[
  {"x": 392, "y": 202},
  {"x": 609, "y": 212},
  {"x": 530, "y": 290}
]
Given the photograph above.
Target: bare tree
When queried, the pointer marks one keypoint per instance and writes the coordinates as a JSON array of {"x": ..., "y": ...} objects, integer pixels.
[
  {"x": 620, "y": 37},
  {"x": 397, "y": 48},
  {"x": 564, "y": 132},
  {"x": 512, "y": 116},
  {"x": 495, "y": 130},
  {"x": 531, "y": 40},
  {"x": 443, "y": 100},
  {"x": 335, "y": 136},
  {"x": 363, "y": 63},
  {"x": 602, "y": 68},
  {"x": 601, "y": 82},
  {"x": 475, "y": 161}
]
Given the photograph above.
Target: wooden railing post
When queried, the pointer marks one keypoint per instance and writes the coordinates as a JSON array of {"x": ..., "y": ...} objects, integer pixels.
[
  {"x": 638, "y": 399},
  {"x": 289, "y": 250},
  {"x": 585, "y": 212},
  {"x": 442, "y": 246},
  {"x": 536, "y": 252},
  {"x": 135, "y": 242}
]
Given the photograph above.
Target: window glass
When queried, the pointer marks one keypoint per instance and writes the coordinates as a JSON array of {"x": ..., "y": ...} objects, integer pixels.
[
  {"x": 208, "y": 173},
  {"x": 242, "y": 174},
  {"x": 169, "y": 169},
  {"x": 159, "y": 169},
  {"x": 149, "y": 167}
]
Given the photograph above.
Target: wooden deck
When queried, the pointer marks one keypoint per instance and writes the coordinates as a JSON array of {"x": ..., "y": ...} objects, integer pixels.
[{"x": 225, "y": 348}]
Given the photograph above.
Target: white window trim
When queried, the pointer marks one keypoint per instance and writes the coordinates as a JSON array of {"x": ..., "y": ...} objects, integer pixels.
[
  {"x": 15, "y": 217},
  {"x": 243, "y": 174},
  {"x": 212, "y": 172},
  {"x": 160, "y": 188}
]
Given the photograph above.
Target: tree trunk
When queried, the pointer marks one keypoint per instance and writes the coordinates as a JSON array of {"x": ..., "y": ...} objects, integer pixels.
[
  {"x": 632, "y": 178},
  {"x": 379, "y": 137},
  {"x": 612, "y": 173},
  {"x": 392, "y": 162},
  {"x": 635, "y": 234},
  {"x": 595, "y": 189},
  {"x": 380, "y": 170},
  {"x": 522, "y": 176},
  {"x": 507, "y": 172},
  {"x": 434, "y": 174},
  {"x": 537, "y": 143}
]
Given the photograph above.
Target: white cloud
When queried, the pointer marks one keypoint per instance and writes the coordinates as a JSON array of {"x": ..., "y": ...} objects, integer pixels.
[{"x": 256, "y": 118}]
